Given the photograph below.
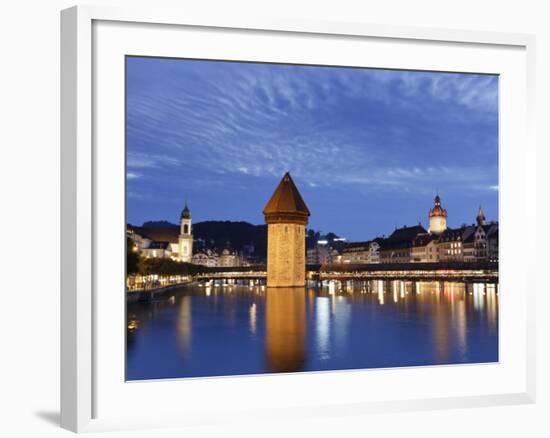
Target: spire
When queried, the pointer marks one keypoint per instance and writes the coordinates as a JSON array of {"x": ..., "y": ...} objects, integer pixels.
[
  {"x": 480, "y": 219},
  {"x": 286, "y": 204},
  {"x": 185, "y": 213},
  {"x": 437, "y": 210},
  {"x": 438, "y": 217}
]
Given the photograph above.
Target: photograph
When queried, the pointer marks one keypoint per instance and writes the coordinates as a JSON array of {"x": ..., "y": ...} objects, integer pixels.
[{"x": 289, "y": 218}]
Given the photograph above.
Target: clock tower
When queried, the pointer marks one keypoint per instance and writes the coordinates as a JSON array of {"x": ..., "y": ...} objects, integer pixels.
[{"x": 185, "y": 240}]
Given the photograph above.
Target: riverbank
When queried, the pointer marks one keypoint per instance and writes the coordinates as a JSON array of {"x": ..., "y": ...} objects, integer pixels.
[{"x": 154, "y": 293}]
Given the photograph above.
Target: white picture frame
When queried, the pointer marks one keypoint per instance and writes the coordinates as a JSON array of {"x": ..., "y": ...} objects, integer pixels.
[{"x": 84, "y": 385}]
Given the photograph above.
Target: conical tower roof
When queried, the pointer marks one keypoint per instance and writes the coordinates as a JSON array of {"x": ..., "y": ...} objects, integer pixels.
[
  {"x": 286, "y": 204},
  {"x": 480, "y": 218}
]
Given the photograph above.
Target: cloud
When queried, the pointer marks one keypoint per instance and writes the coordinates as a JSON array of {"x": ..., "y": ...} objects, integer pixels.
[
  {"x": 210, "y": 125},
  {"x": 148, "y": 161},
  {"x": 133, "y": 175}
]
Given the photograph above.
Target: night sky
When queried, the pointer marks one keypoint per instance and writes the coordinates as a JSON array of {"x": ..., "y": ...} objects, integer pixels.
[{"x": 368, "y": 149}]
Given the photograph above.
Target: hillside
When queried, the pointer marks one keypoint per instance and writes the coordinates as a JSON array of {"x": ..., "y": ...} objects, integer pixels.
[{"x": 219, "y": 234}]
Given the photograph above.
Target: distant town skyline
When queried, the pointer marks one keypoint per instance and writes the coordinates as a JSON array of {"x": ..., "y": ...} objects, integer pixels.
[{"x": 368, "y": 149}]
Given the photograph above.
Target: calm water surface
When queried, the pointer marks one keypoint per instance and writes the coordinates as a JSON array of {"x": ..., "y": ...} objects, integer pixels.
[{"x": 228, "y": 330}]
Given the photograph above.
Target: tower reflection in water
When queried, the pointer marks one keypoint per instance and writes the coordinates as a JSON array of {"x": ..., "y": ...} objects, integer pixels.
[{"x": 285, "y": 329}]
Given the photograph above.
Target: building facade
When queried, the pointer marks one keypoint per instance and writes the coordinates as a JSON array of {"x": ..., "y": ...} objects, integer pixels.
[
  {"x": 362, "y": 252},
  {"x": 229, "y": 258},
  {"x": 450, "y": 245},
  {"x": 213, "y": 258},
  {"x": 206, "y": 257},
  {"x": 157, "y": 250},
  {"x": 322, "y": 255},
  {"x": 398, "y": 247},
  {"x": 424, "y": 249}
]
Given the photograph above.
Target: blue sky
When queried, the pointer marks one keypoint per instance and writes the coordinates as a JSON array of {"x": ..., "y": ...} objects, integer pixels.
[{"x": 367, "y": 148}]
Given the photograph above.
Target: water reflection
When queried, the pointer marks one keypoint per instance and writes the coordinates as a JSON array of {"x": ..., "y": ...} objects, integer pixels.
[
  {"x": 492, "y": 306},
  {"x": 252, "y": 316},
  {"x": 285, "y": 332},
  {"x": 221, "y": 329},
  {"x": 322, "y": 327},
  {"x": 184, "y": 323}
]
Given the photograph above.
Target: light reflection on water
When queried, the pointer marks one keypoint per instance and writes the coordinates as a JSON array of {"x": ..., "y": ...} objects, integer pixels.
[{"x": 226, "y": 330}]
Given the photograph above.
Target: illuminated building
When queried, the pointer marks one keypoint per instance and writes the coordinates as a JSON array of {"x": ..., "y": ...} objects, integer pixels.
[
  {"x": 225, "y": 258},
  {"x": 322, "y": 255},
  {"x": 450, "y": 244},
  {"x": 185, "y": 239},
  {"x": 399, "y": 246},
  {"x": 229, "y": 257},
  {"x": 438, "y": 217},
  {"x": 286, "y": 215},
  {"x": 206, "y": 257},
  {"x": 362, "y": 252},
  {"x": 424, "y": 249},
  {"x": 165, "y": 241},
  {"x": 492, "y": 245},
  {"x": 157, "y": 250}
]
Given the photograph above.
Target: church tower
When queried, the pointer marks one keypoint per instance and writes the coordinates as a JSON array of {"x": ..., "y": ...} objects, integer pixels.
[
  {"x": 480, "y": 219},
  {"x": 438, "y": 217},
  {"x": 186, "y": 236},
  {"x": 286, "y": 215}
]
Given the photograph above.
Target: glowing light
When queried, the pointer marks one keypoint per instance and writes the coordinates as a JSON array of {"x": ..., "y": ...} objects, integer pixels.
[
  {"x": 322, "y": 326},
  {"x": 252, "y": 316},
  {"x": 380, "y": 287}
]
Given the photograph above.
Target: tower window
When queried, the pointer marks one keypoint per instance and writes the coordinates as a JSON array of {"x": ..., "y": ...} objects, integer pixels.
[{"x": 186, "y": 229}]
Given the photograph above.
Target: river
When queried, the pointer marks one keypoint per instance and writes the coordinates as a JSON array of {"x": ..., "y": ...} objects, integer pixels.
[{"x": 199, "y": 330}]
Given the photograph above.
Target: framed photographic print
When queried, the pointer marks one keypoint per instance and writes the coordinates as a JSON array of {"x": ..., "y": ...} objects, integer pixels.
[{"x": 285, "y": 216}]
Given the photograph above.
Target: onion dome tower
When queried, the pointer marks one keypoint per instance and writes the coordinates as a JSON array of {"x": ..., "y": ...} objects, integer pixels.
[
  {"x": 185, "y": 240},
  {"x": 438, "y": 217},
  {"x": 480, "y": 219},
  {"x": 286, "y": 216}
]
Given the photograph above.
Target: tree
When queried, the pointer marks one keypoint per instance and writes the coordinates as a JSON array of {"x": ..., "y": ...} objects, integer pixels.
[
  {"x": 165, "y": 266},
  {"x": 132, "y": 257}
]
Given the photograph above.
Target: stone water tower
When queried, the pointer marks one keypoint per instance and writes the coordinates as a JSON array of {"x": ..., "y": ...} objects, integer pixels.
[{"x": 286, "y": 215}]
